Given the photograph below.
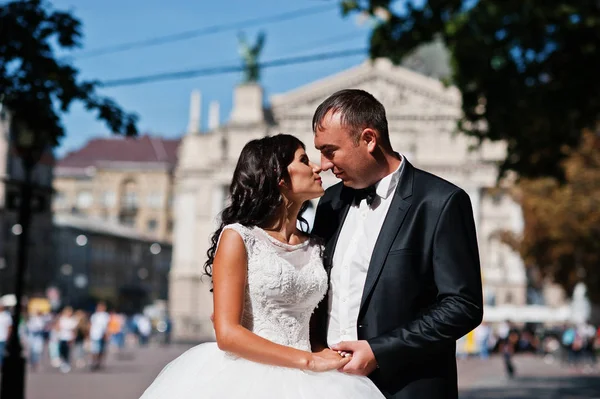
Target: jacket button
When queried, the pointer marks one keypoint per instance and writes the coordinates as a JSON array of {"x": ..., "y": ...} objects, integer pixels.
[{"x": 360, "y": 326}]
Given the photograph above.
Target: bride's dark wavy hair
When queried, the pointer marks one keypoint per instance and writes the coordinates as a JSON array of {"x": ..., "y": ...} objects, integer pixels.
[{"x": 255, "y": 198}]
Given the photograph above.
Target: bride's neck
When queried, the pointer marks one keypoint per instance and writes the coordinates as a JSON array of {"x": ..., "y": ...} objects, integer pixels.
[{"x": 286, "y": 221}]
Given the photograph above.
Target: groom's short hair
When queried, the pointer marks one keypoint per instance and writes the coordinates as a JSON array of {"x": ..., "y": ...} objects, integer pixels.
[{"x": 358, "y": 110}]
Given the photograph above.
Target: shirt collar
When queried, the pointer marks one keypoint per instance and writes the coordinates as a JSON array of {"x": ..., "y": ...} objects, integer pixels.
[{"x": 386, "y": 186}]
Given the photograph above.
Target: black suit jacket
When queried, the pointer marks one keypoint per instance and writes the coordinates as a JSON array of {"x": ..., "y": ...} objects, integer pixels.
[{"x": 423, "y": 286}]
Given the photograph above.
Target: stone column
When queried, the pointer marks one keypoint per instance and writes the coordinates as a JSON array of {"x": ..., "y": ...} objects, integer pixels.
[
  {"x": 182, "y": 277},
  {"x": 194, "y": 124},
  {"x": 247, "y": 104},
  {"x": 213, "y": 115}
]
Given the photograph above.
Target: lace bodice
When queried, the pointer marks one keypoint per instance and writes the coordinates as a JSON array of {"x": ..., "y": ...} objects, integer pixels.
[{"x": 285, "y": 284}]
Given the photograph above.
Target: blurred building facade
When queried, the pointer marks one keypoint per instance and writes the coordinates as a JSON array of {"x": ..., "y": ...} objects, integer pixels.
[
  {"x": 40, "y": 250},
  {"x": 422, "y": 116},
  {"x": 128, "y": 181},
  {"x": 101, "y": 260}
]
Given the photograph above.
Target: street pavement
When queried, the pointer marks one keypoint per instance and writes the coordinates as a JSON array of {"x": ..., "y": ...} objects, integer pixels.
[
  {"x": 127, "y": 376},
  {"x": 123, "y": 377},
  {"x": 534, "y": 378}
]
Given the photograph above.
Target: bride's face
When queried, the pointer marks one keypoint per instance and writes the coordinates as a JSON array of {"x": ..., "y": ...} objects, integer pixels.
[{"x": 305, "y": 182}]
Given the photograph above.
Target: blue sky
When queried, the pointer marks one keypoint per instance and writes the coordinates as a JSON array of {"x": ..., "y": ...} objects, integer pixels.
[{"x": 163, "y": 107}]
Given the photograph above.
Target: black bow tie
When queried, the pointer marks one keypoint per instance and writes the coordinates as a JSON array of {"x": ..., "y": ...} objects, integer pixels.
[{"x": 368, "y": 193}]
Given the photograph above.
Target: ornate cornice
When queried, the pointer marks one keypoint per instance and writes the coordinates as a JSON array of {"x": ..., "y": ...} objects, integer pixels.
[{"x": 407, "y": 81}]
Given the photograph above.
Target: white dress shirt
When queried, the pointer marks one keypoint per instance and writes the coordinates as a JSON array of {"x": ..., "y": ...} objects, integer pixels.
[{"x": 352, "y": 257}]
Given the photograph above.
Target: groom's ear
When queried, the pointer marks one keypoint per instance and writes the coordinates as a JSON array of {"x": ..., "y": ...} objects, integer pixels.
[{"x": 370, "y": 138}]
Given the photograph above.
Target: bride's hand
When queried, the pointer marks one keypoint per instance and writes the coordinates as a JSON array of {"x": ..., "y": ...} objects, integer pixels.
[{"x": 327, "y": 360}]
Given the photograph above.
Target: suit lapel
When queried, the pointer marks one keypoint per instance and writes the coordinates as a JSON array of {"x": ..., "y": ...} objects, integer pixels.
[
  {"x": 393, "y": 221},
  {"x": 342, "y": 207}
]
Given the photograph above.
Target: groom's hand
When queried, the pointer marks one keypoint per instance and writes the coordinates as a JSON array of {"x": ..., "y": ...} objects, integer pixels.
[{"x": 363, "y": 360}]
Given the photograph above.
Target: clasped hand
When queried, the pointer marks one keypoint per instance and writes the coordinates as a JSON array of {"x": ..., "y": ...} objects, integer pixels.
[
  {"x": 327, "y": 360},
  {"x": 362, "y": 361}
]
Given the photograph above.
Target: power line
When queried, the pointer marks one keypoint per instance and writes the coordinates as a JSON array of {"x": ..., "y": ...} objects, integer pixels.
[
  {"x": 217, "y": 70},
  {"x": 185, "y": 35},
  {"x": 326, "y": 41},
  {"x": 316, "y": 45}
]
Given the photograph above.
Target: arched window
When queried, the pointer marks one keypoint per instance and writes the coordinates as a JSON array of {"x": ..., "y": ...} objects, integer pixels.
[
  {"x": 129, "y": 202},
  {"x": 129, "y": 197},
  {"x": 85, "y": 199},
  {"x": 60, "y": 200}
]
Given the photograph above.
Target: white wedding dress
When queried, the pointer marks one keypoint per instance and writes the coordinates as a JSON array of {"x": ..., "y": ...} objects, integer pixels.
[{"x": 284, "y": 285}]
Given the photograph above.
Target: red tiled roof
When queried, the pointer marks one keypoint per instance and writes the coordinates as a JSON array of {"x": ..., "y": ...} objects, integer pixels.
[{"x": 143, "y": 149}]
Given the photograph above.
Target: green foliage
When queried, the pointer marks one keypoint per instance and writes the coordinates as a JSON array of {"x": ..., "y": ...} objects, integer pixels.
[
  {"x": 561, "y": 234},
  {"x": 527, "y": 70},
  {"x": 35, "y": 85}
]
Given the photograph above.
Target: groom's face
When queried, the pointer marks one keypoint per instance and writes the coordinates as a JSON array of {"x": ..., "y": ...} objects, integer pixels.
[{"x": 340, "y": 153}]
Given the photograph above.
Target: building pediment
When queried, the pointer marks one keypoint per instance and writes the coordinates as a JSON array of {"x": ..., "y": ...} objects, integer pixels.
[{"x": 400, "y": 90}]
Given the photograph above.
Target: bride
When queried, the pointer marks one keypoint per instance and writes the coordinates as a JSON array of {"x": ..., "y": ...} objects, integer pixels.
[{"x": 268, "y": 277}]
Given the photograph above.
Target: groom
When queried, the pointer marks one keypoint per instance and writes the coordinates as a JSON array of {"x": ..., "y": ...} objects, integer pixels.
[{"x": 401, "y": 254}]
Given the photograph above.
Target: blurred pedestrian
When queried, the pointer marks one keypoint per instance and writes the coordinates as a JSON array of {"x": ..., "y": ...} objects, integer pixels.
[
  {"x": 35, "y": 338},
  {"x": 116, "y": 329},
  {"x": 81, "y": 333},
  {"x": 98, "y": 335},
  {"x": 568, "y": 340},
  {"x": 508, "y": 350},
  {"x": 144, "y": 328},
  {"x": 482, "y": 338},
  {"x": 53, "y": 342},
  {"x": 66, "y": 326},
  {"x": 5, "y": 330}
]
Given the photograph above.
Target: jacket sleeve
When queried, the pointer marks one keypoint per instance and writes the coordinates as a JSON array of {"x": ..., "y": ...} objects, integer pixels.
[{"x": 459, "y": 304}]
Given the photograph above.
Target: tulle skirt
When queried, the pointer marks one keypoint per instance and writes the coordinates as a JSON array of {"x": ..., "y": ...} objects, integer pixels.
[{"x": 206, "y": 372}]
